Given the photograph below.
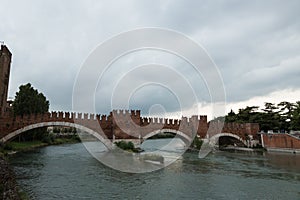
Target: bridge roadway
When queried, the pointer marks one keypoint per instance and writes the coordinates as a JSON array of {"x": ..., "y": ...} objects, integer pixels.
[{"x": 124, "y": 124}]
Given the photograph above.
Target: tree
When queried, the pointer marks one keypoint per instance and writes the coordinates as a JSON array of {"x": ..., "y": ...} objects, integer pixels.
[
  {"x": 269, "y": 107},
  {"x": 284, "y": 116},
  {"x": 295, "y": 122},
  {"x": 246, "y": 114},
  {"x": 29, "y": 101},
  {"x": 270, "y": 119},
  {"x": 287, "y": 108},
  {"x": 231, "y": 117},
  {"x": 286, "y": 113}
]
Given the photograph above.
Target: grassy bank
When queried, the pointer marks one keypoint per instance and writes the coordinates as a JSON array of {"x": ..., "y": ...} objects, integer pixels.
[
  {"x": 15, "y": 146},
  {"x": 22, "y": 146}
]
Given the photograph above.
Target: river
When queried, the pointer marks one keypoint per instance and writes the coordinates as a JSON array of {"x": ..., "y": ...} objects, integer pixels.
[{"x": 70, "y": 172}]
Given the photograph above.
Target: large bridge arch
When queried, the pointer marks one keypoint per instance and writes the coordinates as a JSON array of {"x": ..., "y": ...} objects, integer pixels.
[
  {"x": 184, "y": 137},
  {"x": 215, "y": 139},
  {"x": 13, "y": 134}
]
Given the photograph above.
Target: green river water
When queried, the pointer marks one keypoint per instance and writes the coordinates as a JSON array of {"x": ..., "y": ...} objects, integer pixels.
[{"x": 70, "y": 172}]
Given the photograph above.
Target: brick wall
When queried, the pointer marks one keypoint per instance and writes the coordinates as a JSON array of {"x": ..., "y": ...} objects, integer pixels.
[
  {"x": 124, "y": 124},
  {"x": 280, "y": 141}
]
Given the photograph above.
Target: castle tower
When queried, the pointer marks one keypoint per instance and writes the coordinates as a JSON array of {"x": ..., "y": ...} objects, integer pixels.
[{"x": 5, "y": 60}]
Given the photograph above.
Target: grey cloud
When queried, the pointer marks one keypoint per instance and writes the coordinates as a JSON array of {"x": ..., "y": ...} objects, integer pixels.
[{"x": 51, "y": 39}]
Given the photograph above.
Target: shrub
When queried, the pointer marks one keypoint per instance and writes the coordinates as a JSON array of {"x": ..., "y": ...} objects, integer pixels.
[
  {"x": 8, "y": 147},
  {"x": 125, "y": 145},
  {"x": 130, "y": 145},
  {"x": 49, "y": 139},
  {"x": 76, "y": 137},
  {"x": 197, "y": 143}
]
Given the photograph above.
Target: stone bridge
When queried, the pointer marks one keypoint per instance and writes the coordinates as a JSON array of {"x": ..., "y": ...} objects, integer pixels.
[{"x": 124, "y": 124}]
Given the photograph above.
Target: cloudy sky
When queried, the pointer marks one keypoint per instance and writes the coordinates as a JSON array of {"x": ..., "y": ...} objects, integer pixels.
[{"x": 254, "y": 44}]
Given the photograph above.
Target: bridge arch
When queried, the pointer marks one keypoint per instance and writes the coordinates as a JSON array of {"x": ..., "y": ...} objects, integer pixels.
[
  {"x": 184, "y": 137},
  {"x": 13, "y": 134},
  {"x": 215, "y": 139}
]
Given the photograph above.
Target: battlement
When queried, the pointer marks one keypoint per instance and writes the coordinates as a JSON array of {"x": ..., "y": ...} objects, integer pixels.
[
  {"x": 132, "y": 113},
  {"x": 129, "y": 124},
  {"x": 120, "y": 114}
]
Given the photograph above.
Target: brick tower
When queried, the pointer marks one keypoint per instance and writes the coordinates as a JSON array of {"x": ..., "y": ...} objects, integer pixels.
[{"x": 5, "y": 60}]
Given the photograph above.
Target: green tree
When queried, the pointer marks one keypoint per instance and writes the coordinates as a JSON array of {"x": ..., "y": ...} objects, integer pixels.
[
  {"x": 269, "y": 107},
  {"x": 246, "y": 114},
  {"x": 284, "y": 116},
  {"x": 29, "y": 101},
  {"x": 231, "y": 117},
  {"x": 270, "y": 118},
  {"x": 286, "y": 108},
  {"x": 295, "y": 119},
  {"x": 286, "y": 113}
]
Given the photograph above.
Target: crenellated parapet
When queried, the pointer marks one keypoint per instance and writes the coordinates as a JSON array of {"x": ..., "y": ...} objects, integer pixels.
[{"x": 125, "y": 124}]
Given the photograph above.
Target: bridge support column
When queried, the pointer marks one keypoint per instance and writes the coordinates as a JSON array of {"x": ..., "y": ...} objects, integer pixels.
[
  {"x": 140, "y": 140},
  {"x": 113, "y": 139}
]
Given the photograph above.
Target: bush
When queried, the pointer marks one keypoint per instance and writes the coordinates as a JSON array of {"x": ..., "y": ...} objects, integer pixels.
[
  {"x": 8, "y": 147},
  {"x": 130, "y": 145},
  {"x": 46, "y": 140},
  {"x": 76, "y": 137},
  {"x": 125, "y": 145},
  {"x": 197, "y": 143},
  {"x": 49, "y": 139}
]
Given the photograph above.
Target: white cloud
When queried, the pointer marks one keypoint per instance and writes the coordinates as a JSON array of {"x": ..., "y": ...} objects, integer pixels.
[{"x": 291, "y": 95}]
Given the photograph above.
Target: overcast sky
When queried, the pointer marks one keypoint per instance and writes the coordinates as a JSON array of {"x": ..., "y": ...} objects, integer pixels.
[{"x": 254, "y": 44}]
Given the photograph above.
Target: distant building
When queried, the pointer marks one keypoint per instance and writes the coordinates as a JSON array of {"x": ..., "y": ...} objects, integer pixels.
[{"x": 5, "y": 60}]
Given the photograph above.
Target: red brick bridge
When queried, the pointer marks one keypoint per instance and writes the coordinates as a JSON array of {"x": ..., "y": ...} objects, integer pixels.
[{"x": 124, "y": 124}]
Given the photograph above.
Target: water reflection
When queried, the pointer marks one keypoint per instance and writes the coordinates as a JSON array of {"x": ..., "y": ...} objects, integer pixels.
[{"x": 285, "y": 161}]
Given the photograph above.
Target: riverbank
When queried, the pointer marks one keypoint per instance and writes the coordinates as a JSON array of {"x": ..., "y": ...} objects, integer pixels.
[
  {"x": 8, "y": 184},
  {"x": 14, "y": 147}
]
